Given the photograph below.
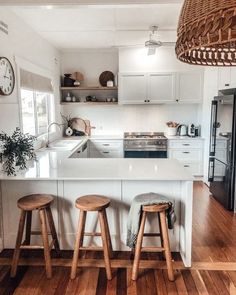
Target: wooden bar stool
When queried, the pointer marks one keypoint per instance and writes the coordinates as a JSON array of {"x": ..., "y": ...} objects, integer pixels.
[
  {"x": 99, "y": 204},
  {"x": 165, "y": 244},
  {"x": 27, "y": 204}
]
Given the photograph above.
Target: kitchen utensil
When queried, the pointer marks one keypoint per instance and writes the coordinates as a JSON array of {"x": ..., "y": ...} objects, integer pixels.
[
  {"x": 105, "y": 77},
  {"x": 182, "y": 130},
  {"x": 191, "y": 130}
]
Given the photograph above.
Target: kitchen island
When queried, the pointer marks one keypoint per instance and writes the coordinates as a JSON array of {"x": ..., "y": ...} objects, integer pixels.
[{"x": 119, "y": 179}]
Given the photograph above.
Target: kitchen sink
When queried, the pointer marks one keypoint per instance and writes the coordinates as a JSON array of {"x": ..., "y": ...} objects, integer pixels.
[{"x": 64, "y": 144}]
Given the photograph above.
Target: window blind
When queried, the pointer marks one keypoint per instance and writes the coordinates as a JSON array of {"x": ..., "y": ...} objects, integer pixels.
[{"x": 35, "y": 82}]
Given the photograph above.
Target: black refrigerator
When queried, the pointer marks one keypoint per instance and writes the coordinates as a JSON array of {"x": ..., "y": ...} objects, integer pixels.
[{"x": 221, "y": 174}]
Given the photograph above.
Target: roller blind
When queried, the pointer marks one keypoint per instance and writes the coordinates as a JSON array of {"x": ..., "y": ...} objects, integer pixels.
[{"x": 35, "y": 82}]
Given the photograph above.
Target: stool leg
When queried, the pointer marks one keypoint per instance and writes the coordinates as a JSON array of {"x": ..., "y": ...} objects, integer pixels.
[
  {"x": 28, "y": 227},
  {"x": 138, "y": 248},
  {"x": 46, "y": 249},
  {"x": 16, "y": 254},
  {"x": 78, "y": 243},
  {"x": 53, "y": 230},
  {"x": 108, "y": 235},
  {"x": 161, "y": 235},
  {"x": 166, "y": 246},
  {"x": 105, "y": 244}
]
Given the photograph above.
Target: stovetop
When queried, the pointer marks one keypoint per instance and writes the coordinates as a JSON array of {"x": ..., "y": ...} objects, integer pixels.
[{"x": 144, "y": 135}]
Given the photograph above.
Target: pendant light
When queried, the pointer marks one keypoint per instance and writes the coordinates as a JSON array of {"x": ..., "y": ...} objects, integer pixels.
[{"x": 206, "y": 33}]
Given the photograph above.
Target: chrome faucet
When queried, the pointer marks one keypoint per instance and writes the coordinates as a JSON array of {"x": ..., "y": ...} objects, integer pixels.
[{"x": 49, "y": 126}]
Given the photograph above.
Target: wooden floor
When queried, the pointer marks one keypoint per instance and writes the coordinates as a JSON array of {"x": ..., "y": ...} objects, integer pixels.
[{"x": 213, "y": 271}]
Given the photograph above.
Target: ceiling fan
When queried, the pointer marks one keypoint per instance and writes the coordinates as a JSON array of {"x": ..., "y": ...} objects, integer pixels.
[{"x": 152, "y": 43}]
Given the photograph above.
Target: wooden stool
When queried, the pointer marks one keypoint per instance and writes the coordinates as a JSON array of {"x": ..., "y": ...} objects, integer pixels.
[
  {"x": 93, "y": 203},
  {"x": 165, "y": 244},
  {"x": 27, "y": 204}
]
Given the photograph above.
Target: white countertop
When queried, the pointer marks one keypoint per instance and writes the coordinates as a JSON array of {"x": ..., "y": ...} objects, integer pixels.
[{"x": 53, "y": 165}]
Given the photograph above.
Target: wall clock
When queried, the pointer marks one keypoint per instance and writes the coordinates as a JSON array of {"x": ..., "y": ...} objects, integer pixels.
[{"x": 7, "y": 77}]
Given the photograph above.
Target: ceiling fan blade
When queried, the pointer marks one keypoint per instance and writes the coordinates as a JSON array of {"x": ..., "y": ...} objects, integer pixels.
[{"x": 168, "y": 43}]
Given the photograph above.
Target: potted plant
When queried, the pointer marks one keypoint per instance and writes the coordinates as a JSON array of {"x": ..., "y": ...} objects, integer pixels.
[{"x": 16, "y": 150}]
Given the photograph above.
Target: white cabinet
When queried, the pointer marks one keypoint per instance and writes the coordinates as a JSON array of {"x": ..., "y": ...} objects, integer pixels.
[
  {"x": 226, "y": 78},
  {"x": 132, "y": 88},
  {"x": 146, "y": 88},
  {"x": 161, "y": 87},
  {"x": 189, "y": 87},
  {"x": 106, "y": 149},
  {"x": 189, "y": 152}
]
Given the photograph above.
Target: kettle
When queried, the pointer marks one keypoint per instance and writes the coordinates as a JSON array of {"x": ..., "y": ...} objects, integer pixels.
[{"x": 182, "y": 130}]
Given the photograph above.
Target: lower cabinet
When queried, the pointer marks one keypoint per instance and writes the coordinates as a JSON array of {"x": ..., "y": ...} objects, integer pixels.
[
  {"x": 106, "y": 149},
  {"x": 189, "y": 152}
]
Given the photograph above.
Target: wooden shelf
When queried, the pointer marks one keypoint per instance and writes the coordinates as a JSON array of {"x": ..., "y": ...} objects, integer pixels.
[
  {"x": 89, "y": 103},
  {"x": 89, "y": 88}
]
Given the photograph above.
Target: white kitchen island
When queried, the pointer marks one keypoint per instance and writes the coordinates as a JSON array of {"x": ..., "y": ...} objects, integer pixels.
[{"x": 119, "y": 179}]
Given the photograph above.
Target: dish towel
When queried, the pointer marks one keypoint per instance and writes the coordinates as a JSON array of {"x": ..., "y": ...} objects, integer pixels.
[{"x": 136, "y": 210}]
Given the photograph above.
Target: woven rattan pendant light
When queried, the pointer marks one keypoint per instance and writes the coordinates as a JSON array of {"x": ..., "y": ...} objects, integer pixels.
[{"x": 207, "y": 33}]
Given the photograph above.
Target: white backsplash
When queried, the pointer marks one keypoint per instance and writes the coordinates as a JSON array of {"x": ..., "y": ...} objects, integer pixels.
[{"x": 139, "y": 118}]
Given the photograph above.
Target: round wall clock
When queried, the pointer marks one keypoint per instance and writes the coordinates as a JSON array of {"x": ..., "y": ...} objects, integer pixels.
[{"x": 7, "y": 77}]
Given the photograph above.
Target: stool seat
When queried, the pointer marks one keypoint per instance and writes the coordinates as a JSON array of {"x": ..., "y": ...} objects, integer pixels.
[
  {"x": 92, "y": 203},
  {"x": 155, "y": 208},
  {"x": 33, "y": 202}
]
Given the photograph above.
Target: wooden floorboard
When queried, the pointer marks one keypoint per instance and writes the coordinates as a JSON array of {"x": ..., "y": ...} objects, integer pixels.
[{"x": 213, "y": 270}]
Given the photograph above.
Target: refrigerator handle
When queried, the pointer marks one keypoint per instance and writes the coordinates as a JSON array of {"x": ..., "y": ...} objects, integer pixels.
[
  {"x": 213, "y": 128},
  {"x": 211, "y": 169}
]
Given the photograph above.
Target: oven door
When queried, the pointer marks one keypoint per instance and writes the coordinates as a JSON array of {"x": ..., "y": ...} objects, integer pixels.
[{"x": 145, "y": 154}]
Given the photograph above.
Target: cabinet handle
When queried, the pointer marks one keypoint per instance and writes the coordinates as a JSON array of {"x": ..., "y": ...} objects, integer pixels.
[
  {"x": 78, "y": 152},
  {"x": 105, "y": 144},
  {"x": 186, "y": 152},
  {"x": 186, "y": 166},
  {"x": 227, "y": 84},
  {"x": 106, "y": 152},
  {"x": 186, "y": 144}
]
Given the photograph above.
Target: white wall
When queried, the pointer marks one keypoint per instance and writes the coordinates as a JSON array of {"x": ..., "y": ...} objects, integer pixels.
[
  {"x": 91, "y": 63},
  {"x": 117, "y": 119},
  {"x": 23, "y": 42}
]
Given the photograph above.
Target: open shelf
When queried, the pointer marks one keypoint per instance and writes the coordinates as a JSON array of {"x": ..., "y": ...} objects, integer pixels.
[
  {"x": 89, "y": 88},
  {"x": 89, "y": 103}
]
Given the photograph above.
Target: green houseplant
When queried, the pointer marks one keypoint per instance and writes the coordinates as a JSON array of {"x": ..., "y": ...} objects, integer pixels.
[{"x": 16, "y": 150}]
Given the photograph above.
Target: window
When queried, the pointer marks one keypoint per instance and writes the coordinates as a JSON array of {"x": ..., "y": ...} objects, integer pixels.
[{"x": 36, "y": 103}]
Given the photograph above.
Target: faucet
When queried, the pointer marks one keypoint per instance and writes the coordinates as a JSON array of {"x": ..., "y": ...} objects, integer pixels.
[{"x": 49, "y": 126}]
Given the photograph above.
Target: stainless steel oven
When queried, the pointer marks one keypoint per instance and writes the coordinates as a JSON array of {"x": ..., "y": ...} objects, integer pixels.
[{"x": 145, "y": 145}]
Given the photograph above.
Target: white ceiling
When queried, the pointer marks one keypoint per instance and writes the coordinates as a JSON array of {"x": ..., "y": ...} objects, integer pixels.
[{"x": 73, "y": 28}]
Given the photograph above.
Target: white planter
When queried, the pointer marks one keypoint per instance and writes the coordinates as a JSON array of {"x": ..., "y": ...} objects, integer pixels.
[{"x": 171, "y": 131}]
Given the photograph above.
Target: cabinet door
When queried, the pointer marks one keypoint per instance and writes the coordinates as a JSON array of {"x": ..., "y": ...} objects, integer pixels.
[
  {"x": 189, "y": 87},
  {"x": 161, "y": 87},
  {"x": 224, "y": 78},
  {"x": 132, "y": 88},
  {"x": 232, "y": 77}
]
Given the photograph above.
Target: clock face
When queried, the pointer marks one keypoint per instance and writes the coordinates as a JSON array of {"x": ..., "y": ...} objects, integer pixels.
[{"x": 7, "y": 77}]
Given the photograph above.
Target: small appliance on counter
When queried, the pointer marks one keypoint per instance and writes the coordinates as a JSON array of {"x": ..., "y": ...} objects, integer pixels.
[
  {"x": 191, "y": 130},
  {"x": 182, "y": 130}
]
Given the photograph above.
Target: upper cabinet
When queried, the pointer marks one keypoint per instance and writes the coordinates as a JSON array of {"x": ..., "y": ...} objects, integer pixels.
[
  {"x": 160, "y": 87},
  {"x": 226, "y": 78},
  {"x": 132, "y": 88},
  {"x": 189, "y": 87}
]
